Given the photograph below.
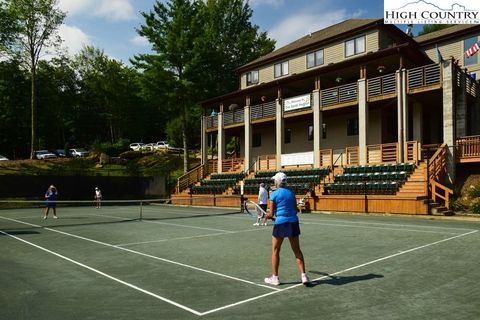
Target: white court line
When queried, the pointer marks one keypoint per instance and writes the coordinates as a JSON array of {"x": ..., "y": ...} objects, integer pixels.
[
  {"x": 372, "y": 227},
  {"x": 169, "y": 224},
  {"x": 188, "y": 238},
  {"x": 176, "y": 304},
  {"x": 336, "y": 273},
  {"x": 147, "y": 255},
  {"x": 387, "y": 224}
]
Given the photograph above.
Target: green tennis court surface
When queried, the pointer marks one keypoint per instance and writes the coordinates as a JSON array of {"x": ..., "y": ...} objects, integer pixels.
[{"x": 190, "y": 263}]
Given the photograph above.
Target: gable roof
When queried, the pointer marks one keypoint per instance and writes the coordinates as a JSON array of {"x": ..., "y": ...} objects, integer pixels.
[
  {"x": 448, "y": 33},
  {"x": 342, "y": 29}
]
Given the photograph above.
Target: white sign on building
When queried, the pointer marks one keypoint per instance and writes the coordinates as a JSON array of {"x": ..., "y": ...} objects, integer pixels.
[{"x": 299, "y": 102}]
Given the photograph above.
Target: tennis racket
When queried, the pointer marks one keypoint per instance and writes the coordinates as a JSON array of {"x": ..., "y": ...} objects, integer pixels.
[{"x": 254, "y": 210}]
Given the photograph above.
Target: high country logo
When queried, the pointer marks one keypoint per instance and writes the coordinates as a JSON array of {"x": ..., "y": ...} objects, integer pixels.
[{"x": 425, "y": 12}]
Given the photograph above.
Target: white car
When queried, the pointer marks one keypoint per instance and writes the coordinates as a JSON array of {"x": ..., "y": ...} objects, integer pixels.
[
  {"x": 44, "y": 154},
  {"x": 137, "y": 146},
  {"x": 161, "y": 145},
  {"x": 148, "y": 147},
  {"x": 78, "y": 152},
  {"x": 2, "y": 158}
]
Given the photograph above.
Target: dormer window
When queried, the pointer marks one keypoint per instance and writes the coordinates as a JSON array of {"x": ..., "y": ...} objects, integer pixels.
[
  {"x": 354, "y": 46},
  {"x": 281, "y": 69},
  {"x": 252, "y": 77},
  {"x": 315, "y": 58}
]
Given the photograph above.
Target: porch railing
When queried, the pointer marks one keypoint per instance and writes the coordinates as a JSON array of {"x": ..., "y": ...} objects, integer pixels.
[
  {"x": 412, "y": 151},
  {"x": 423, "y": 76},
  {"x": 340, "y": 94},
  {"x": 228, "y": 165},
  {"x": 266, "y": 162},
  {"x": 235, "y": 116},
  {"x": 468, "y": 147},
  {"x": 212, "y": 122},
  {"x": 191, "y": 177},
  {"x": 351, "y": 154},
  {"x": 326, "y": 158},
  {"x": 381, "y": 85},
  {"x": 436, "y": 170},
  {"x": 381, "y": 153},
  {"x": 263, "y": 110}
]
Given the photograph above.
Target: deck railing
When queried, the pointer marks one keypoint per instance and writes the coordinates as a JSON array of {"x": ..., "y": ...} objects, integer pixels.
[
  {"x": 263, "y": 110},
  {"x": 381, "y": 85},
  {"x": 423, "y": 76},
  {"x": 266, "y": 162},
  {"x": 234, "y": 116},
  {"x": 228, "y": 165},
  {"x": 351, "y": 154},
  {"x": 436, "y": 171},
  {"x": 382, "y": 153},
  {"x": 212, "y": 122},
  {"x": 412, "y": 151},
  {"x": 340, "y": 94},
  {"x": 468, "y": 148},
  {"x": 191, "y": 177},
  {"x": 326, "y": 158}
]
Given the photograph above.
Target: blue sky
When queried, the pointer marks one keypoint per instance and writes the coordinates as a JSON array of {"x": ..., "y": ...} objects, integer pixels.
[{"x": 110, "y": 24}]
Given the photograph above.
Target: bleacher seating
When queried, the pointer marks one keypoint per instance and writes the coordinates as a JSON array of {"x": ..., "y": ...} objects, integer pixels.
[
  {"x": 371, "y": 179},
  {"x": 218, "y": 183}
]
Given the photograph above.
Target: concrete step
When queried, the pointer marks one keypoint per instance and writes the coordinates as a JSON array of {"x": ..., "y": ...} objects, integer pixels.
[{"x": 439, "y": 210}]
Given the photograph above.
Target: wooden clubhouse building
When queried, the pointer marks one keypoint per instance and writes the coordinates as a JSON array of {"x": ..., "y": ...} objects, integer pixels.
[{"x": 369, "y": 117}]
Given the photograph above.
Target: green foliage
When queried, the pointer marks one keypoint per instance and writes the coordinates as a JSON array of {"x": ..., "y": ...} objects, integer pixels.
[
  {"x": 427, "y": 28},
  {"x": 474, "y": 191},
  {"x": 476, "y": 206},
  {"x": 111, "y": 149},
  {"x": 457, "y": 205}
]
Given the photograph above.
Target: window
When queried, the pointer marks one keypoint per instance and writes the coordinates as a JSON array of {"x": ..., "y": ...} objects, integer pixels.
[
  {"x": 310, "y": 133},
  {"x": 354, "y": 46},
  {"x": 252, "y": 77},
  {"x": 281, "y": 69},
  {"x": 288, "y": 136},
  {"x": 314, "y": 58},
  {"x": 467, "y": 43},
  {"x": 256, "y": 140},
  {"x": 352, "y": 127}
]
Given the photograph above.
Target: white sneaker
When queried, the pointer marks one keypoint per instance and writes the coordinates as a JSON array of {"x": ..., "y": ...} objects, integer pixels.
[
  {"x": 305, "y": 279},
  {"x": 273, "y": 280},
  {"x": 55, "y": 217},
  {"x": 256, "y": 224},
  {"x": 264, "y": 224},
  {"x": 44, "y": 217}
]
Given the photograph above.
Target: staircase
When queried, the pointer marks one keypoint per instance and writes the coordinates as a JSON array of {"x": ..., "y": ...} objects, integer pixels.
[
  {"x": 416, "y": 185},
  {"x": 438, "y": 209}
]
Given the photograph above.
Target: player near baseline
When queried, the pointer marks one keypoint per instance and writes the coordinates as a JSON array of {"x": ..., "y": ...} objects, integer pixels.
[
  {"x": 50, "y": 201},
  {"x": 283, "y": 205},
  {"x": 262, "y": 202},
  {"x": 98, "y": 198}
]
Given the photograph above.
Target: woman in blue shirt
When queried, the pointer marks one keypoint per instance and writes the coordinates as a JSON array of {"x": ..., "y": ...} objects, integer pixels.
[
  {"x": 51, "y": 197},
  {"x": 283, "y": 205}
]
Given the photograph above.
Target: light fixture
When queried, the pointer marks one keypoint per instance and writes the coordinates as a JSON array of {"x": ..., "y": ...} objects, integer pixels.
[{"x": 381, "y": 68}]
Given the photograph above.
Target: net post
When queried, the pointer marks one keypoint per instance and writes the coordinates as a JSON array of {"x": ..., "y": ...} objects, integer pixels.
[{"x": 141, "y": 210}]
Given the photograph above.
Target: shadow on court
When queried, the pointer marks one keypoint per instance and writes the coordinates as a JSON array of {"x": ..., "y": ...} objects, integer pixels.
[
  {"x": 341, "y": 280},
  {"x": 20, "y": 232}
]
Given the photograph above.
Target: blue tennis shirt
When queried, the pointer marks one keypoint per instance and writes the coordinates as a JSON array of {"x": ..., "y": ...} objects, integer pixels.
[{"x": 285, "y": 204}]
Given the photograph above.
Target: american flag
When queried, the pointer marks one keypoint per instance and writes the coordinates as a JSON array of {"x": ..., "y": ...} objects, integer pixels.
[{"x": 472, "y": 50}]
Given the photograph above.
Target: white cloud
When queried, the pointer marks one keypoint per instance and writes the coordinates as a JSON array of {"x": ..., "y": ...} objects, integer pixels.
[
  {"x": 140, "y": 41},
  {"x": 299, "y": 25},
  {"x": 74, "y": 38},
  {"x": 115, "y": 10},
  {"x": 273, "y": 3}
]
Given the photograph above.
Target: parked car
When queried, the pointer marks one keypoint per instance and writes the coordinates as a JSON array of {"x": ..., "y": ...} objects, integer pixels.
[
  {"x": 2, "y": 158},
  {"x": 137, "y": 146},
  {"x": 78, "y": 152},
  {"x": 163, "y": 145},
  {"x": 149, "y": 147},
  {"x": 60, "y": 153},
  {"x": 44, "y": 154}
]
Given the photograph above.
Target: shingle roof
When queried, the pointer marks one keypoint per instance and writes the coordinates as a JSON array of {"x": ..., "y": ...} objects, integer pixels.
[
  {"x": 445, "y": 33},
  {"x": 316, "y": 37}
]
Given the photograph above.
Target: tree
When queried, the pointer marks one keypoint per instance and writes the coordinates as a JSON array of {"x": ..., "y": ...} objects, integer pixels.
[
  {"x": 172, "y": 30},
  {"x": 35, "y": 23},
  {"x": 198, "y": 46}
]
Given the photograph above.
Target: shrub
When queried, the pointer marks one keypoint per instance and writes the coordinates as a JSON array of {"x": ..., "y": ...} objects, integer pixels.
[
  {"x": 474, "y": 191},
  {"x": 476, "y": 206},
  {"x": 457, "y": 205}
]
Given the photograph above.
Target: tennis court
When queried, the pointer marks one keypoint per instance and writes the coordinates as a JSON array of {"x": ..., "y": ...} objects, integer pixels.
[{"x": 209, "y": 263}]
